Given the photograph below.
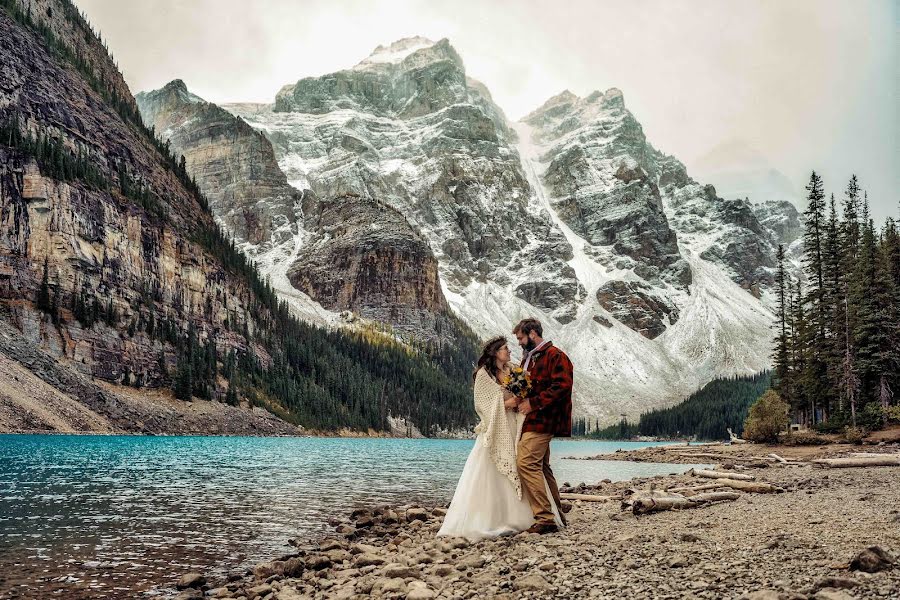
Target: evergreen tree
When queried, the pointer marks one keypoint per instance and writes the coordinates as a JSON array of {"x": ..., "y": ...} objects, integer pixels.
[
  {"x": 833, "y": 298},
  {"x": 780, "y": 356},
  {"x": 183, "y": 384},
  {"x": 867, "y": 326},
  {"x": 815, "y": 386}
]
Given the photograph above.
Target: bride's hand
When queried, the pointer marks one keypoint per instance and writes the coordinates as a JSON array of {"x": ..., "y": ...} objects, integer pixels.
[{"x": 511, "y": 403}]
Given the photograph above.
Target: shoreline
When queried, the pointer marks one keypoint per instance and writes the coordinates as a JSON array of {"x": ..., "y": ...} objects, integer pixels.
[
  {"x": 798, "y": 543},
  {"x": 317, "y": 434}
]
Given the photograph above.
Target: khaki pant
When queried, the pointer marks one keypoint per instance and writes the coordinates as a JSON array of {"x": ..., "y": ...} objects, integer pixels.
[{"x": 533, "y": 461}]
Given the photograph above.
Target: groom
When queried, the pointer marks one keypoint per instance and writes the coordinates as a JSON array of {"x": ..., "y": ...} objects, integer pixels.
[{"x": 548, "y": 413}]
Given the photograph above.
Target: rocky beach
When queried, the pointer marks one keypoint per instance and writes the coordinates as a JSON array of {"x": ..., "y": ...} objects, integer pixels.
[{"x": 822, "y": 533}]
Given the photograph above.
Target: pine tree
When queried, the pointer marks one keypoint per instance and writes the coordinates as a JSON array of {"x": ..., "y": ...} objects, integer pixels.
[
  {"x": 833, "y": 298},
  {"x": 887, "y": 336},
  {"x": 231, "y": 396},
  {"x": 780, "y": 357},
  {"x": 866, "y": 326},
  {"x": 815, "y": 373},
  {"x": 183, "y": 384},
  {"x": 801, "y": 402}
]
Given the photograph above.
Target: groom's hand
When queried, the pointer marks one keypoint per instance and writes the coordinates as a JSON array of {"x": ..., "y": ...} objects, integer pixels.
[{"x": 524, "y": 407}]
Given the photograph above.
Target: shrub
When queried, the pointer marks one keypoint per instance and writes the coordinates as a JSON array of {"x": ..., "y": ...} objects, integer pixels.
[
  {"x": 892, "y": 414},
  {"x": 805, "y": 438},
  {"x": 767, "y": 418},
  {"x": 835, "y": 424},
  {"x": 854, "y": 435},
  {"x": 871, "y": 416}
]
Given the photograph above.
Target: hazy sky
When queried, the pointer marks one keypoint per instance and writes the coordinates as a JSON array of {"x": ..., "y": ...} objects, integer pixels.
[{"x": 803, "y": 84}]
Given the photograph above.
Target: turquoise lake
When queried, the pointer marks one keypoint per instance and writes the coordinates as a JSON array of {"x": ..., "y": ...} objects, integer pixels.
[{"x": 124, "y": 516}]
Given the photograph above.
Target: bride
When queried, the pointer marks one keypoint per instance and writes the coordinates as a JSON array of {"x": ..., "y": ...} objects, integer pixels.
[{"x": 489, "y": 501}]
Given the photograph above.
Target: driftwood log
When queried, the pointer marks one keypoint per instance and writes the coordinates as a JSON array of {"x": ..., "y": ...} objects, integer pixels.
[
  {"x": 720, "y": 475},
  {"x": 682, "y": 446},
  {"x": 886, "y": 460},
  {"x": 588, "y": 497},
  {"x": 643, "y": 504},
  {"x": 735, "y": 439},
  {"x": 720, "y": 456},
  {"x": 756, "y": 487},
  {"x": 871, "y": 454},
  {"x": 693, "y": 489}
]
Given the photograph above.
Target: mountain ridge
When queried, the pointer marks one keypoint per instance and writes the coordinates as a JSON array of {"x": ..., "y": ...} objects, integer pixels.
[{"x": 587, "y": 162}]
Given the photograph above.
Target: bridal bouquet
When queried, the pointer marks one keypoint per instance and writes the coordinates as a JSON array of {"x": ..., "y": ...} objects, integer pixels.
[{"x": 518, "y": 382}]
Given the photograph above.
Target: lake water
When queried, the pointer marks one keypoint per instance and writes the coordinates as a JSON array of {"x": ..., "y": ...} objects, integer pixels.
[{"x": 121, "y": 516}]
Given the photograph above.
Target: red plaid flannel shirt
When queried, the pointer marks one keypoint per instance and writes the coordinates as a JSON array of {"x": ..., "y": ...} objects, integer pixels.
[{"x": 551, "y": 392}]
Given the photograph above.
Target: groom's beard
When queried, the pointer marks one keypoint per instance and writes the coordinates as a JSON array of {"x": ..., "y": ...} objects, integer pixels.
[{"x": 529, "y": 346}]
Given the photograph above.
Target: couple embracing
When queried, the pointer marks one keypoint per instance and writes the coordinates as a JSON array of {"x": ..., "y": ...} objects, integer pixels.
[{"x": 507, "y": 485}]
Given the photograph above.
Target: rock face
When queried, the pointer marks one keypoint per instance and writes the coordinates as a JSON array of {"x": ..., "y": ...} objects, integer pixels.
[
  {"x": 233, "y": 164},
  {"x": 632, "y": 305},
  {"x": 366, "y": 258},
  {"x": 603, "y": 178},
  {"x": 80, "y": 241},
  {"x": 781, "y": 218}
]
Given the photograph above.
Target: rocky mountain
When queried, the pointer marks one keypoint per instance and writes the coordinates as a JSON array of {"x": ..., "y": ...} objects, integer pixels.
[
  {"x": 121, "y": 286},
  {"x": 231, "y": 162},
  {"x": 343, "y": 253},
  {"x": 652, "y": 282}
]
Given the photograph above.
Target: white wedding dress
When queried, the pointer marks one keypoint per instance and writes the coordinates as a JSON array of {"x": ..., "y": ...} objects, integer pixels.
[{"x": 489, "y": 500}]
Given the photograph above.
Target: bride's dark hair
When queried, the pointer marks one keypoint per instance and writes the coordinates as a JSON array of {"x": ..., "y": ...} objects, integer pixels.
[{"x": 488, "y": 358}]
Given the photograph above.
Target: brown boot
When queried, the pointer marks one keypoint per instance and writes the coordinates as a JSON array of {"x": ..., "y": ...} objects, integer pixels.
[{"x": 542, "y": 528}]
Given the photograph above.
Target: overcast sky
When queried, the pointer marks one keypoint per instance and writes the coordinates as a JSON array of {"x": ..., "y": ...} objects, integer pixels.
[{"x": 799, "y": 84}]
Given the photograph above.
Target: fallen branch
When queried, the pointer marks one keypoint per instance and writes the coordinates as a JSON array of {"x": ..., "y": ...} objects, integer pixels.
[
  {"x": 694, "y": 489},
  {"x": 735, "y": 439},
  {"x": 871, "y": 454},
  {"x": 588, "y": 497},
  {"x": 756, "y": 487},
  {"x": 886, "y": 460},
  {"x": 778, "y": 458},
  {"x": 668, "y": 447},
  {"x": 727, "y": 457},
  {"x": 720, "y": 475}
]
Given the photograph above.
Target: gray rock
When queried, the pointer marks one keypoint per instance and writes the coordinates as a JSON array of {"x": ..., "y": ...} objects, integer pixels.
[
  {"x": 367, "y": 559},
  {"x": 259, "y": 591},
  {"x": 532, "y": 582},
  {"x": 190, "y": 580},
  {"x": 470, "y": 562}
]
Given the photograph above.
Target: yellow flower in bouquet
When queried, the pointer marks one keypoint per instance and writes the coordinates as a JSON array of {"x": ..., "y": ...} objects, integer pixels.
[{"x": 518, "y": 382}]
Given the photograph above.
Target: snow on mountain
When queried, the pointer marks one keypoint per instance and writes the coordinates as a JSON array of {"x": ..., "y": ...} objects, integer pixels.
[
  {"x": 394, "y": 53},
  {"x": 650, "y": 281}
]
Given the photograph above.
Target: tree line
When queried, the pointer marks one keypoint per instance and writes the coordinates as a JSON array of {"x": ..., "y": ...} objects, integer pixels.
[
  {"x": 707, "y": 414},
  {"x": 837, "y": 345}
]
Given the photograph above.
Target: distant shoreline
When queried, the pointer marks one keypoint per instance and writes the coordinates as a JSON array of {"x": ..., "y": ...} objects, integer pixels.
[{"x": 322, "y": 435}]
